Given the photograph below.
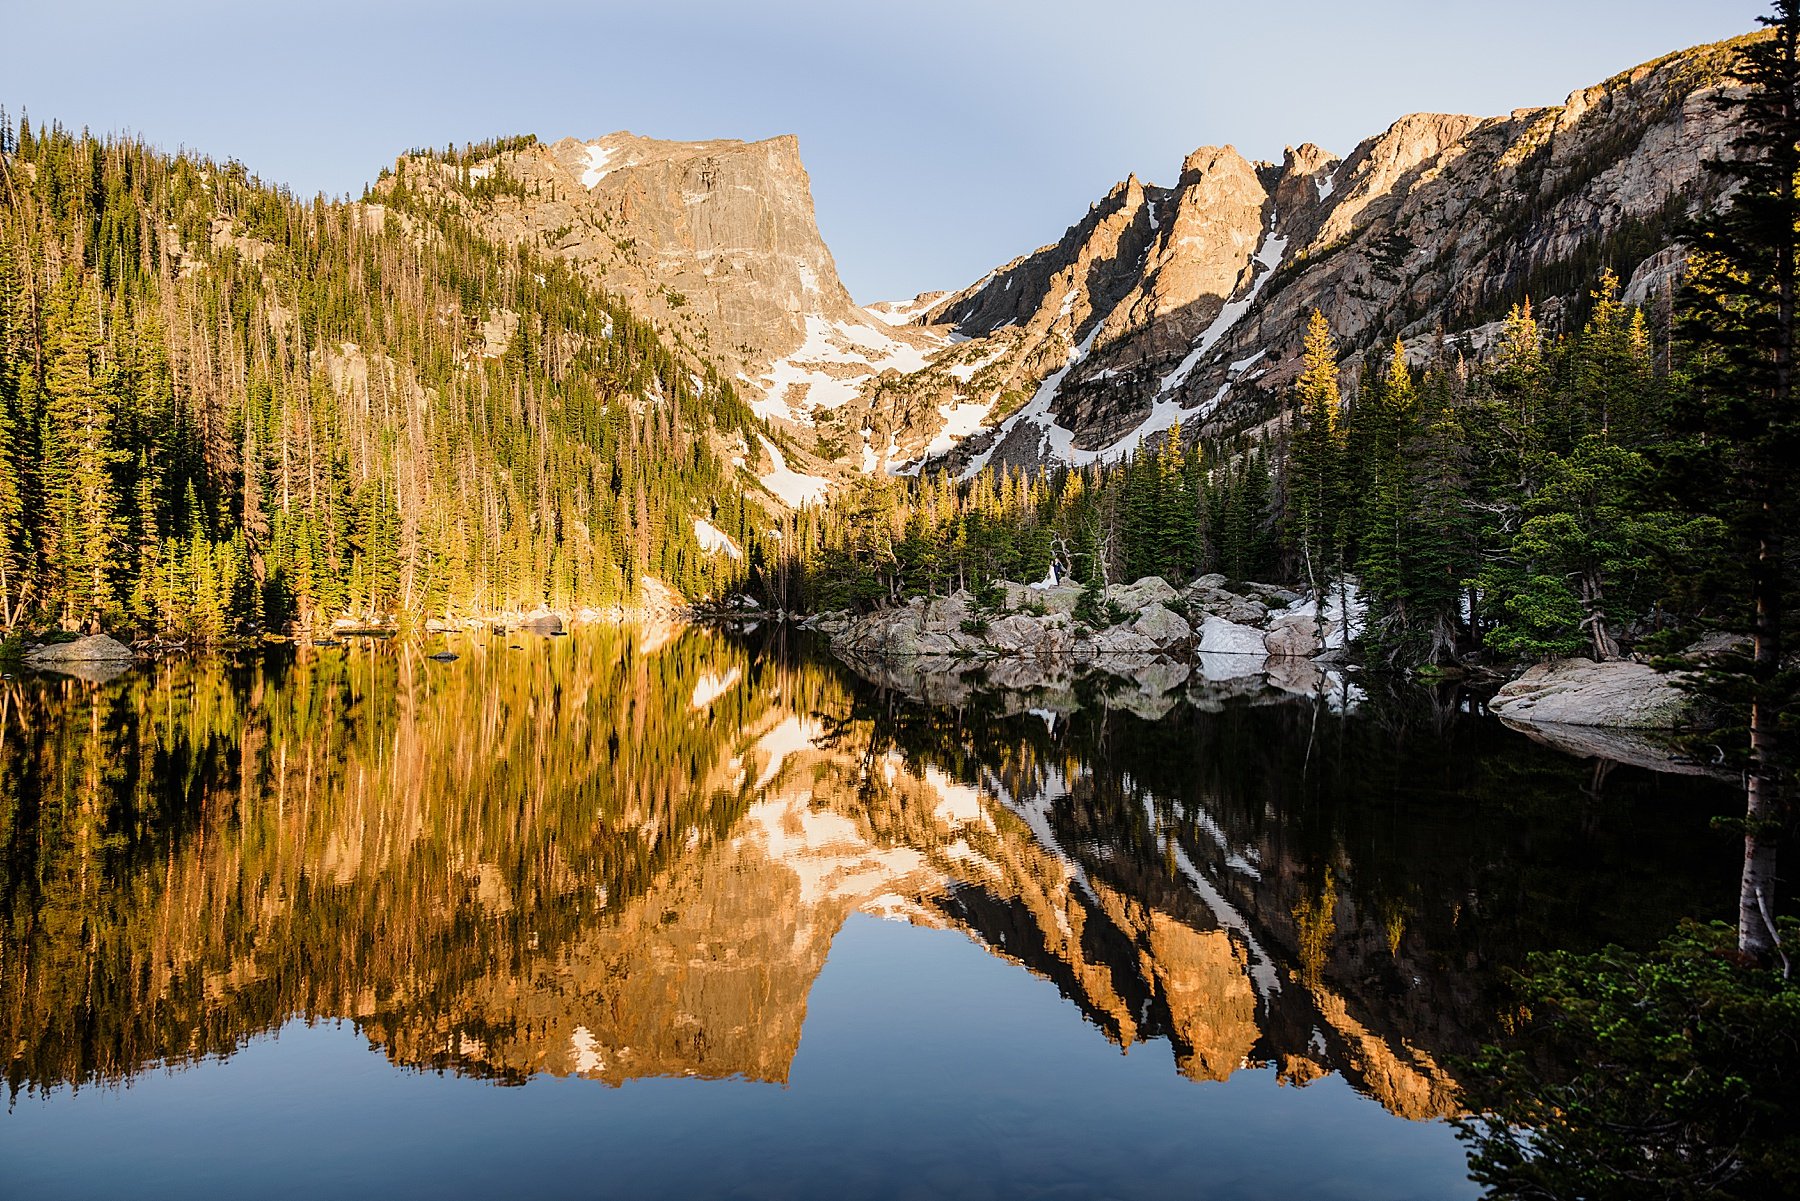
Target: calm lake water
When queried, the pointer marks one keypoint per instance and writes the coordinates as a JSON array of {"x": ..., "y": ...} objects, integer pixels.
[{"x": 696, "y": 915}]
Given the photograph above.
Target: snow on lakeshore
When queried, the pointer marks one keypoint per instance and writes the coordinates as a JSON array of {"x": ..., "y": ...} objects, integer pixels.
[
  {"x": 795, "y": 490},
  {"x": 715, "y": 540},
  {"x": 1346, "y": 597}
]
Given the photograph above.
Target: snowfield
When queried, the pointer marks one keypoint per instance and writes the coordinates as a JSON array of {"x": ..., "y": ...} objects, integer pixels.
[
  {"x": 794, "y": 489},
  {"x": 714, "y": 540},
  {"x": 830, "y": 367},
  {"x": 597, "y": 159}
]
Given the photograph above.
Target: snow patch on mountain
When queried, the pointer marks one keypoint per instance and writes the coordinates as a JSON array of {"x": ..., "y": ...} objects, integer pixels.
[
  {"x": 964, "y": 372},
  {"x": 1268, "y": 256},
  {"x": 714, "y": 540},
  {"x": 904, "y": 312},
  {"x": 597, "y": 159},
  {"x": 960, "y": 421},
  {"x": 794, "y": 489},
  {"x": 831, "y": 365},
  {"x": 1055, "y": 440}
]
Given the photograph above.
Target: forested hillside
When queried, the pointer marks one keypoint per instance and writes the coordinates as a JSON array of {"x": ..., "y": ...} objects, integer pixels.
[
  {"x": 223, "y": 408},
  {"x": 1542, "y": 501}
]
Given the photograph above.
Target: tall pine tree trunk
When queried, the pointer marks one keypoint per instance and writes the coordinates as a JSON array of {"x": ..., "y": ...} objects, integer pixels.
[{"x": 1763, "y": 808}]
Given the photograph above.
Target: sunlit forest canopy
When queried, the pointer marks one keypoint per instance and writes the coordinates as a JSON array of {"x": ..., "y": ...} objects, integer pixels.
[{"x": 224, "y": 407}]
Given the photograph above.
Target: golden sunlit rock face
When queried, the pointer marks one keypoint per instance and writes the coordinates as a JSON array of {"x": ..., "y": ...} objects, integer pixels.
[{"x": 615, "y": 858}]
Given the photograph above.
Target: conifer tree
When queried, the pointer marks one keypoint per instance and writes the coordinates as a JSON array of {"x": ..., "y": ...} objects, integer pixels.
[
  {"x": 79, "y": 470},
  {"x": 1739, "y": 316},
  {"x": 1315, "y": 463}
]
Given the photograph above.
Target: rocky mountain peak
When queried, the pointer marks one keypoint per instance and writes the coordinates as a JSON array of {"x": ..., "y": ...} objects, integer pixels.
[
  {"x": 1441, "y": 221},
  {"x": 1208, "y": 160},
  {"x": 715, "y": 241},
  {"x": 1161, "y": 305}
]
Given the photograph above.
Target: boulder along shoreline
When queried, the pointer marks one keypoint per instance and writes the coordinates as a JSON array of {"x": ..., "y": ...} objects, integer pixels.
[{"x": 1022, "y": 631}]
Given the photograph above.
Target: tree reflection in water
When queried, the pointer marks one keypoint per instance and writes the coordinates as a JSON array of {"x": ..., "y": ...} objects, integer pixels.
[{"x": 624, "y": 854}]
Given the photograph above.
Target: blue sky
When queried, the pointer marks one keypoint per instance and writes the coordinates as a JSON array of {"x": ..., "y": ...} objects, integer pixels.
[{"x": 943, "y": 136}]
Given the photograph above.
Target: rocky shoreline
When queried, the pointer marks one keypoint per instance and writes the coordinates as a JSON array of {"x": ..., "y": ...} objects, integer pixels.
[
  {"x": 1148, "y": 618},
  {"x": 1150, "y": 644},
  {"x": 1155, "y": 643}
]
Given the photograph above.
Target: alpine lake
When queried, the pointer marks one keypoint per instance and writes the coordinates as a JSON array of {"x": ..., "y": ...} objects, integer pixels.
[{"x": 690, "y": 913}]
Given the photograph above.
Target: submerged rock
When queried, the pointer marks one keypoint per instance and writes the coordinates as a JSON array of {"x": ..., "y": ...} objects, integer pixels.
[
  {"x": 1120, "y": 641},
  {"x": 94, "y": 671},
  {"x": 1653, "y": 749},
  {"x": 1620, "y": 693}
]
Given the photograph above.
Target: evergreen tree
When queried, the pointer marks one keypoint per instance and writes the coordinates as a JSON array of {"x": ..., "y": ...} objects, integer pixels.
[
  {"x": 80, "y": 490},
  {"x": 1739, "y": 318},
  {"x": 227, "y": 408},
  {"x": 1315, "y": 463}
]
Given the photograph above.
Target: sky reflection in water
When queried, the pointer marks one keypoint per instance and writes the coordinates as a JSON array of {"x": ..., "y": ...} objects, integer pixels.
[{"x": 617, "y": 860}]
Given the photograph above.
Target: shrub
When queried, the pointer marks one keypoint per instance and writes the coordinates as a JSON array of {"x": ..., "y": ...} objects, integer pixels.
[{"x": 1679, "y": 1078}]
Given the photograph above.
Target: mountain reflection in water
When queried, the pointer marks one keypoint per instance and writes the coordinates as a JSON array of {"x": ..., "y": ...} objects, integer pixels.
[{"x": 621, "y": 856}]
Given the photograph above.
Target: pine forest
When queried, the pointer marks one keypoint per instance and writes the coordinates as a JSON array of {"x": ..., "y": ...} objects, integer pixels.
[{"x": 223, "y": 410}]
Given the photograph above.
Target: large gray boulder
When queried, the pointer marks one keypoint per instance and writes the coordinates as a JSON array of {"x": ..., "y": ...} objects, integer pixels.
[
  {"x": 95, "y": 648},
  {"x": 1620, "y": 693},
  {"x": 1244, "y": 611},
  {"x": 1297, "y": 637},
  {"x": 542, "y": 621},
  {"x": 1023, "y": 634},
  {"x": 928, "y": 643},
  {"x": 1221, "y": 637},
  {"x": 1163, "y": 627},
  {"x": 1208, "y": 594},
  {"x": 1151, "y": 590},
  {"x": 1059, "y": 599},
  {"x": 944, "y": 614}
]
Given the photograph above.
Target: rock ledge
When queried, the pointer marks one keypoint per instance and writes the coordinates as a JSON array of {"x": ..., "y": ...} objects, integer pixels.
[{"x": 1621, "y": 694}]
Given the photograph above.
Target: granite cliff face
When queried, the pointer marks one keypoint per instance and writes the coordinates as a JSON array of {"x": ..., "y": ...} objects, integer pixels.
[
  {"x": 717, "y": 244},
  {"x": 1161, "y": 306},
  {"x": 1188, "y": 304}
]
